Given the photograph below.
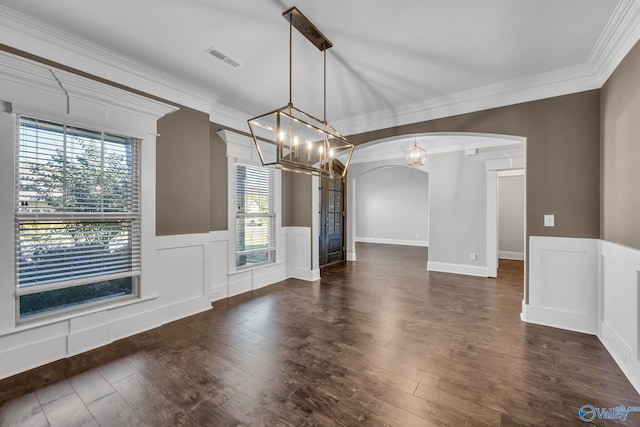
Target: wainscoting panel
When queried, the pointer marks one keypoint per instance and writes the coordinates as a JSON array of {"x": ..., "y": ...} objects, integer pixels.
[
  {"x": 219, "y": 264},
  {"x": 240, "y": 283},
  {"x": 268, "y": 275},
  {"x": 299, "y": 254},
  {"x": 88, "y": 332},
  {"x": 563, "y": 283},
  {"x": 181, "y": 272},
  {"x": 619, "y": 318},
  {"x": 32, "y": 354}
]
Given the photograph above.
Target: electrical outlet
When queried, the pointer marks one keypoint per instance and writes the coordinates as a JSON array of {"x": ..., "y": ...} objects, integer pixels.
[
  {"x": 417, "y": 235},
  {"x": 473, "y": 256},
  {"x": 549, "y": 220}
]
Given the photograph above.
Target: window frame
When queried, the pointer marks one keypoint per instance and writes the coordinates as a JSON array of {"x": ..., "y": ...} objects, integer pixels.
[
  {"x": 132, "y": 215},
  {"x": 271, "y": 251}
]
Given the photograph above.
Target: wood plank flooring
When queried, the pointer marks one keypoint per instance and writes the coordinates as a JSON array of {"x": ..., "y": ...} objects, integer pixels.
[{"x": 374, "y": 343}]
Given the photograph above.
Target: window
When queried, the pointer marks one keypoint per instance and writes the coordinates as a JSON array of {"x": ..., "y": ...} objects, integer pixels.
[
  {"x": 77, "y": 218},
  {"x": 255, "y": 216}
]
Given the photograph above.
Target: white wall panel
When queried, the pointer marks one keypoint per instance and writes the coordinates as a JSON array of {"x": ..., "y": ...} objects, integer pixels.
[
  {"x": 31, "y": 355},
  {"x": 299, "y": 255},
  {"x": 619, "y": 326},
  {"x": 89, "y": 331},
  {"x": 563, "y": 283},
  {"x": 180, "y": 272},
  {"x": 219, "y": 264},
  {"x": 240, "y": 282},
  {"x": 134, "y": 319},
  {"x": 268, "y": 275}
]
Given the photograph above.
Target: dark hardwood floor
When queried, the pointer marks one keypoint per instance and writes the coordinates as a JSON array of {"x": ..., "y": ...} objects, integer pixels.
[{"x": 377, "y": 342}]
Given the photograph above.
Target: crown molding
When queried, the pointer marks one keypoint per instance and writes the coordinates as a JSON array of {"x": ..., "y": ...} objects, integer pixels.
[
  {"x": 48, "y": 93},
  {"x": 392, "y": 148},
  {"x": 240, "y": 147},
  {"x": 37, "y": 38},
  {"x": 618, "y": 37},
  {"x": 229, "y": 117},
  {"x": 546, "y": 85},
  {"x": 33, "y": 74}
]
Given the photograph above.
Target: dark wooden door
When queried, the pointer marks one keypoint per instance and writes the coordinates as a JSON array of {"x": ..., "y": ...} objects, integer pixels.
[{"x": 331, "y": 211}]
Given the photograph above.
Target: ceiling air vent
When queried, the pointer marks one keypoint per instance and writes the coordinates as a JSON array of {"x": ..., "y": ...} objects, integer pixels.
[{"x": 217, "y": 53}]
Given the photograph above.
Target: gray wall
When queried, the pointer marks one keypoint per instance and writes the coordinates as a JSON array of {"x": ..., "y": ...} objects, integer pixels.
[
  {"x": 563, "y": 159},
  {"x": 563, "y": 156},
  {"x": 296, "y": 199},
  {"x": 393, "y": 203},
  {"x": 457, "y": 204},
  {"x": 511, "y": 214},
  {"x": 184, "y": 187},
  {"x": 218, "y": 211},
  {"x": 458, "y": 208},
  {"x": 182, "y": 173},
  {"x": 620, "y": 203}
]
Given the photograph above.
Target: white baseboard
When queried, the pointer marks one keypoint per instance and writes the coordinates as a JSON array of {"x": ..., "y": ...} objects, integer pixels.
[
  {"x": 621, "y": 353},
  {"x": 468, "y": 270},
  {"x": 219, "y": 292},
  {"x": 307, "y": 275},
  {"x": 385, "y": 241},
  {"x": 351, "y": 256},
  {"x": 555, "y": 319},
  {"x": 518, "y": 256}
]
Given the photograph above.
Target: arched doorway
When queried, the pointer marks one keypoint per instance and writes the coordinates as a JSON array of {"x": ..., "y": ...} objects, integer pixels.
[{"x": 484, "y": 154}]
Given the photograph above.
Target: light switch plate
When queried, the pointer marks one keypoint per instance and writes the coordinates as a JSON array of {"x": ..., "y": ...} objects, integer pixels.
[{"x": 549, "y": 220}]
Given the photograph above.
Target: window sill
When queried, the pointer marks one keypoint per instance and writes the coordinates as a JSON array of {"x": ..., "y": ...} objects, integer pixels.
[
  {"x": 239, "y": 270},
  {"x": 35, "y": 324}
]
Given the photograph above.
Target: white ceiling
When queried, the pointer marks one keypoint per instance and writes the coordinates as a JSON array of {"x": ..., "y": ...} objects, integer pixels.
[{"x": 405, "y": 60}]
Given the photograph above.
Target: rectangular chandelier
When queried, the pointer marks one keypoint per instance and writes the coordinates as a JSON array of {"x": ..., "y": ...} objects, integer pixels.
[
  {"x": 295, "y": 140},
  {"x": 291, "y": 139}
]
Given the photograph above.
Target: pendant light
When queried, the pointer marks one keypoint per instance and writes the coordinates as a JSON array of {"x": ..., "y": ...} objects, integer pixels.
[
  {"x": 415, "y": 156},
  {"x": 290, "y": 139}
]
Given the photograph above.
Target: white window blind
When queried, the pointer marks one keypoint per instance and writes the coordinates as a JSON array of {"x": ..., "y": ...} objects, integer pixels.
[
  {"x": 255, "y": 215},
  {"x": 77, "y": 217}
]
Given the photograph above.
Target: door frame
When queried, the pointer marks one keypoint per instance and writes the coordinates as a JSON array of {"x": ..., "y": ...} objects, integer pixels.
[
  {"x": 492, "y": 216},
  {"x": 322, "y": 227}
]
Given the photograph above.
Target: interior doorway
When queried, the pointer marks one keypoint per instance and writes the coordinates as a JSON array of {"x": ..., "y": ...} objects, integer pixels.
[
  {"x": 331, "y": 218},
  {"x": 506, "y": 218},
  {"x": 511, "y": 215}
]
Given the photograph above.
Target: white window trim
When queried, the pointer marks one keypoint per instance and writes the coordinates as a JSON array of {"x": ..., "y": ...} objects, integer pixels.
[
  {"x": 133, "y": 215},
  {"x": 242, "y": 150},
  {"x": 33, "y": 89}
]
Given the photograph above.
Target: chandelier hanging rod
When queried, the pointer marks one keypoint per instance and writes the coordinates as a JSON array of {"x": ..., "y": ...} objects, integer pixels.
[
  {"x": 314, "y": 35},
  {"x": 306, "y": 28}
]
